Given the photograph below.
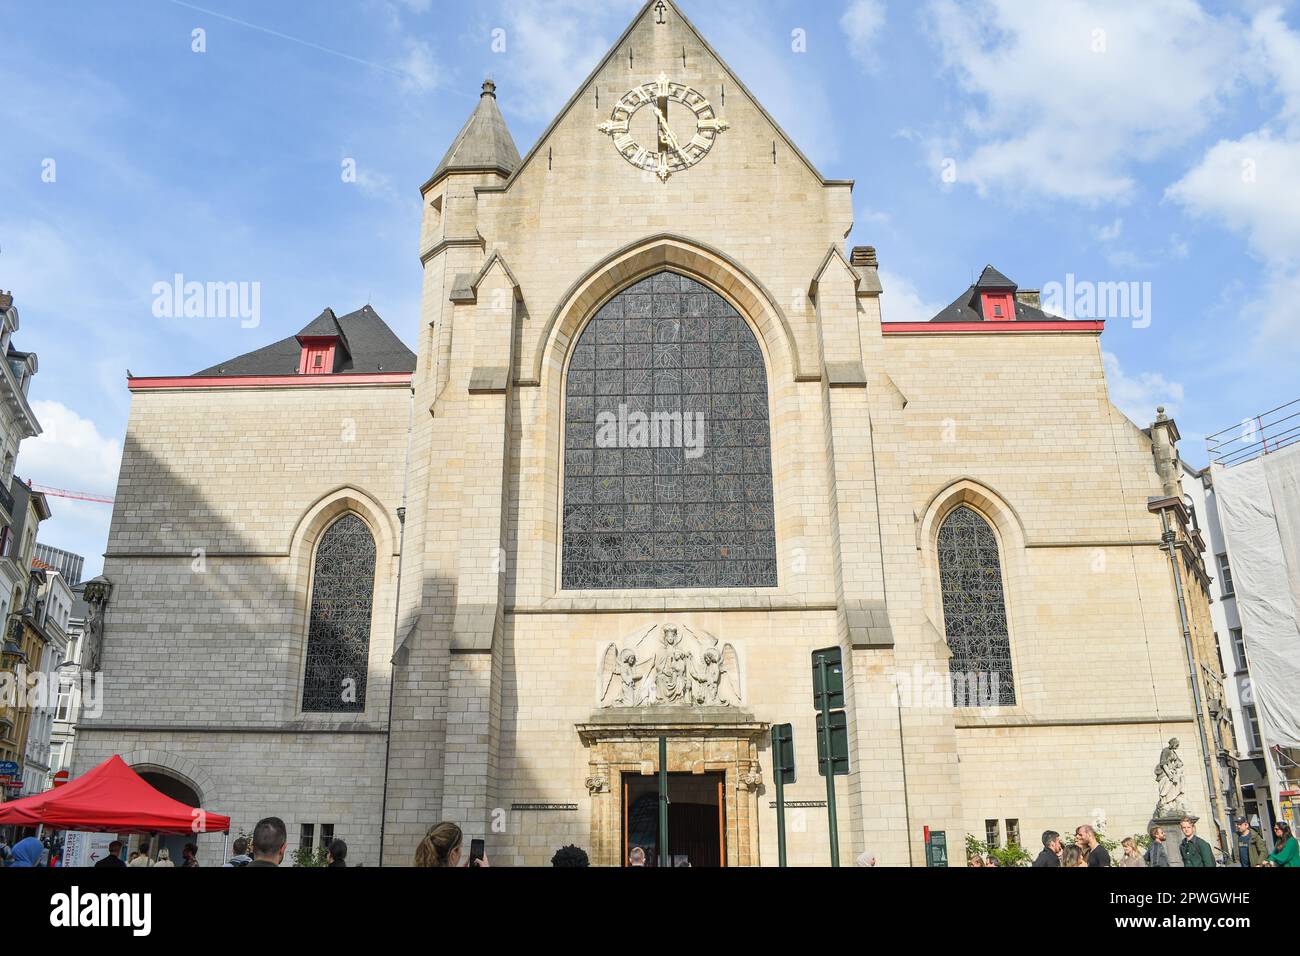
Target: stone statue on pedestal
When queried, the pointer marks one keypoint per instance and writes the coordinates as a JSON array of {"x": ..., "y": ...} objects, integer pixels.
[{"x": 1172, "y": 801}]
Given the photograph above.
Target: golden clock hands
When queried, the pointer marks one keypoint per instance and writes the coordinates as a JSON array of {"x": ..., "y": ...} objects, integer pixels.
[{"x": 667, "y": 131}]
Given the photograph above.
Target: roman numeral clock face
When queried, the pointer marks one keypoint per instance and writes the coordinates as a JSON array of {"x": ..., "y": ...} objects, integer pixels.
[{"x": 676, "y": 149}]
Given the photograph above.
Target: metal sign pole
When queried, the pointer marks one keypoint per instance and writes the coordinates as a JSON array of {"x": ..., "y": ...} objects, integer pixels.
[
  {"x": 830, "y": 762},
  {"x": 778, "y": 761},
  {"x": 663, "y": 802}
]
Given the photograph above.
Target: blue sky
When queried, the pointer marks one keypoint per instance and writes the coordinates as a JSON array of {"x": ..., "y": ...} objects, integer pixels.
[{"x": 1154, "y": 142}]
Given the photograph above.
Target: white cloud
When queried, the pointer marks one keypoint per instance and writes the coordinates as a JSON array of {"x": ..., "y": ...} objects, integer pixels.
[
  {"x": 1111, "y": 232},
  {"x": 901, "y": 302},
  {"x": 1073, "y": 93},
  {"x": 421, "y": 71},
  {"x": 1138, "y": 396},
  {"x": 551, "y": 46},
  {"x": 862, "y": 24},
  {"x": 1277, "y": 47},
  {"x": 1251, "y": 185},
  {"x": 72, "y": 454}
]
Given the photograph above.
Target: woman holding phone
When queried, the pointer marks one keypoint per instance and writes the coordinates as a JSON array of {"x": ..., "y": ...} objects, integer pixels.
[{"x": 441, "y": 847}]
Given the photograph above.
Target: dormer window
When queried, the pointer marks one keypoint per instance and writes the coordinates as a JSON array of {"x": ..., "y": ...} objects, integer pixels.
[
  {"x": 323, "y": 346},
  {"x": 317, "y": 357},
  {"x": 998, "y": 306}
]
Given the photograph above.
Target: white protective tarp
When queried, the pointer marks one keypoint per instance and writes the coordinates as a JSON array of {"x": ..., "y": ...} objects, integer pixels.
[{"x": 1259, "y": 508}]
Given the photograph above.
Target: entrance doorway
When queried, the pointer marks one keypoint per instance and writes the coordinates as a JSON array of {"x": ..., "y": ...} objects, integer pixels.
[
  {"x": 169, "y": 786},
  {"x": 697, "y": 818}
]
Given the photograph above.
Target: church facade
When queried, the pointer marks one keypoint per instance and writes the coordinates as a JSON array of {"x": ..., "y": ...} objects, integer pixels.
[{"x": 656, "y": 448}]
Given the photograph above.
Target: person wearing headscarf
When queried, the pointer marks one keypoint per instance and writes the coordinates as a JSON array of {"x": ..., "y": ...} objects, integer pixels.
[{"x": 28, "y": 852}]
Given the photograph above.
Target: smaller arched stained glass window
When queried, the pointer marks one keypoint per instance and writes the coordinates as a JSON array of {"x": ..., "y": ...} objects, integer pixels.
[
  {"x": 338, "y": 635},
  {"x": 974, "y": 612}
]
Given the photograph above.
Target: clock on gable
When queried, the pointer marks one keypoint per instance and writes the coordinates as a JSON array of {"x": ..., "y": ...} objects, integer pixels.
[{"x": 676, "y": 150}]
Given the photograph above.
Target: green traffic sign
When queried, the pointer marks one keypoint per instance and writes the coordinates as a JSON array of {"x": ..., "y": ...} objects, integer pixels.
[
  {"x": 834, "y": 678},
  {"x": 839, "y": 743},
  {"x": 783, "y": 752}
]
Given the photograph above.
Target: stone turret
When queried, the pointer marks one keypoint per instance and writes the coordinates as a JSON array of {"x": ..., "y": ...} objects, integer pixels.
[{"x": 484, "y": 143}]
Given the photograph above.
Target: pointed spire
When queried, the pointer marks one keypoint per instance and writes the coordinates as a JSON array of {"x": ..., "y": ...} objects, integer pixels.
[
  {"x": 992, "y": 280},
  {"x": 484, "y": 143}
]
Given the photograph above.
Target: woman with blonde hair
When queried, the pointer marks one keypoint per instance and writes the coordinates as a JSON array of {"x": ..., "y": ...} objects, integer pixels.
[
  {"x": 441, "y": 847},
  {"x": 1131, "y": 857},
  {"x": 164, "y": 858}
]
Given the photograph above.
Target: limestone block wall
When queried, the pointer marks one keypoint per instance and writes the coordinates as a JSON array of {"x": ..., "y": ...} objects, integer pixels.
[
  {"x": 222, "y": 493},
  {"x": 210, "y": 548},
  {"x": 301, "y": 778},
  {"x": 1056, "y": 778}
]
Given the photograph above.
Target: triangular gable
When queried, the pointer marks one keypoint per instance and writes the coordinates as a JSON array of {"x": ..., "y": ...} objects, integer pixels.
[
  {"x": 648, "y": 10},
  {"x": 833, "y": 254}
]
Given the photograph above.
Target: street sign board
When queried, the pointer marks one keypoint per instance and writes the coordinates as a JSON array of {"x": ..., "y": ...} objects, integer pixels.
[
  {"x": 839, "y": 743},
  {"x": 936, "y": 849},
  {"x": 834, "y": 678},
  {"x": 783, "y": 752},
  {"x": 8, "y": 768}
]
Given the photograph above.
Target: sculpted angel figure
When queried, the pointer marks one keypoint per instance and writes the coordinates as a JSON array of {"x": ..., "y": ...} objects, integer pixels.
[
  {"x": 714, "y": 679},
  {"x": 622, "y": 676}
]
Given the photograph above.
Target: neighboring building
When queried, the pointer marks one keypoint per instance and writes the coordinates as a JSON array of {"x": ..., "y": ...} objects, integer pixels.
[
  {"x": 25, "y": 641},
  {"x": 17, "y": 422},
  {"x": 65, "y": 562},
  {"x": 1244, "y": 738},
  {"x": 495, "y": 537},
  {"x": 50, "y": 619},
  {"x": 63, "y": 737},
  {"x": 1185, "y": 545},
  {"x": 1252, "y": 495}
]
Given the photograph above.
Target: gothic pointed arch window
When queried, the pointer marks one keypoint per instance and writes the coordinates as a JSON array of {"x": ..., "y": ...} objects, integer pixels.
[
  {"x": 338, "y": 632},
  {"x": 974, "y": 611},
  {"x": 668, "y": 452}
]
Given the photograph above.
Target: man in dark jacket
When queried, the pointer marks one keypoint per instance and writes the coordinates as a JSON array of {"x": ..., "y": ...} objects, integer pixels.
[
  {"x": 1195, "y": 851},
  {"x": 1085, "y": 838},
  {"x": 338, "y": 853},
  {"x": 114, "y": 857},
  {"x": 1250, "y": 845},
  {"x": 270, "y": 839},
  {"x": 1051, "y": 855}
]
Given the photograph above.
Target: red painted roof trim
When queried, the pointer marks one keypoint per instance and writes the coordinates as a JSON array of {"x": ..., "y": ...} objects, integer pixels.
[
  {"x": 268, "y": 381},
  {"x": 990, "y": 328}
]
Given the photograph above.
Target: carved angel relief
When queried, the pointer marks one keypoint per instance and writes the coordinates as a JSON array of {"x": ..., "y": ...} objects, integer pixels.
[{"x": 667, "y": 666}]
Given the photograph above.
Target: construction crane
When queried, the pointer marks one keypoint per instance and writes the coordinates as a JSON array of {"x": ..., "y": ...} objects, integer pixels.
[{"x": 75, "y": 495}]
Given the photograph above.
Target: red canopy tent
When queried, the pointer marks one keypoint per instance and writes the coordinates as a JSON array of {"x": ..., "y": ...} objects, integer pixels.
[{"x": 112, "y": 798}]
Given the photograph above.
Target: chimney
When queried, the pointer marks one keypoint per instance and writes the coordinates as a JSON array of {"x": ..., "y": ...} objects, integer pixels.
[
  {"x": 1030, "y": 297},
  {"x": 864, "y": 256},
  {"x": 6, "y": 301}
]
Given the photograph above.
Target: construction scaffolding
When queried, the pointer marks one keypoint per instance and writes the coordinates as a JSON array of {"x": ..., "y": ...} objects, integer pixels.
[
  {"x": 1255, "y": 470},
  {"x": 1261, "y": 435}
]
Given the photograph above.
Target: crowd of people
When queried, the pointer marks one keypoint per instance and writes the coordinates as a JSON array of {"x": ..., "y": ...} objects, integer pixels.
[
  {"x": 443, "y": 847},
  {"x": 1193, "y": 850}
]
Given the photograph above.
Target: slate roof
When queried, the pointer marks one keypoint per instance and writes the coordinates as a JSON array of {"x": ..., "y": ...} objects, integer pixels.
[
  {"x": 966, "y": 307},
  {"x": 484, "y": 142},
  {"x": 370, "y": 346}
]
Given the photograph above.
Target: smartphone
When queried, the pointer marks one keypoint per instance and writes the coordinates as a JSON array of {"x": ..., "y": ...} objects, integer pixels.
[{"x": 475, "y": 852}]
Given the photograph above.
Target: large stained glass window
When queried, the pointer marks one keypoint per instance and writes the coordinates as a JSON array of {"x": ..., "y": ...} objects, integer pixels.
[
  {"x": 974, "y": 612},
  {"x": 668, "y": 458},
  {"x": 338, "y": 636}
]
